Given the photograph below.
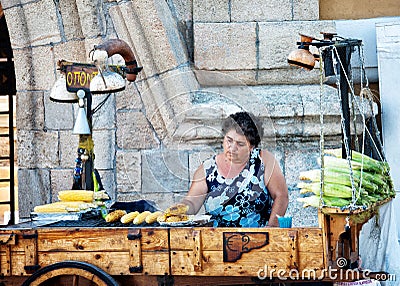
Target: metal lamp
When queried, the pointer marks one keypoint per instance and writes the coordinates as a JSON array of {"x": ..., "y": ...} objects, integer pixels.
[
  {"x": 81, "y": 126},
  {"x": 105, "y": 81},
  {"x": 59, "y": 92},
  {"x": 302, "y": 57}
]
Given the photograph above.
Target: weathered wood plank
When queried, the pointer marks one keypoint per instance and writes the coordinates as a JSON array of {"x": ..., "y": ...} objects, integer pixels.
[
  {"x": 114, "y": 263},
  {"x": 182, "y": 238},
  {"x": 213, "y": 265},
  {"x": 95, "y": 239}
]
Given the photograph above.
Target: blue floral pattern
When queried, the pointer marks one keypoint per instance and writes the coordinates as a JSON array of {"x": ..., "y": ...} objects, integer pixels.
[{"x": 243, "y": 201}]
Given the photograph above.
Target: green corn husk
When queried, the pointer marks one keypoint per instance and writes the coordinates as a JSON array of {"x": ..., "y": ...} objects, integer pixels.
[
  {"x": 367, "y": 162},
  {"x": 331, "y": 190},
  {"x": 341, "y": 176},
  {"x": 314, "y": 201}
]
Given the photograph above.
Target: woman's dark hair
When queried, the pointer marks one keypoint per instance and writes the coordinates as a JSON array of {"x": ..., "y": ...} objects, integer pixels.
[{"x": 244, "y": 123}]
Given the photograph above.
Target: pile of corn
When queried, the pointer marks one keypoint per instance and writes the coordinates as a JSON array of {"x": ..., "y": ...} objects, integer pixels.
[
  {"x": 371, "y": 180},
  {"x": 73, "y": 201}
]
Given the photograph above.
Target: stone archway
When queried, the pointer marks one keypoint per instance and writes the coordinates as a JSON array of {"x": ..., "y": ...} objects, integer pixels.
[{"x": 8, "y": 162}]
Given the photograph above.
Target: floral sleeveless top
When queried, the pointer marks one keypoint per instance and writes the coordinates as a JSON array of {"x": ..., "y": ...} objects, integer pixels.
[{"x": 243, "y": 201}]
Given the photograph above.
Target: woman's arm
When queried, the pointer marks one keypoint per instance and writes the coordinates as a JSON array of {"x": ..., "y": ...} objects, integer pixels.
[
  {"x": 197, "y": 192},
  {"x": 276, "y": 184}
]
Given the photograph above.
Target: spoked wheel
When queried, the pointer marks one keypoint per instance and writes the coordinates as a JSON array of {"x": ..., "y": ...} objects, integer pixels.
[{"x": 70, "y": 273}]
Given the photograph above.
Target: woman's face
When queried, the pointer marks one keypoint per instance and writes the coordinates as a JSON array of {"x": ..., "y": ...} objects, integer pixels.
[{"x": 236, "y": 147}]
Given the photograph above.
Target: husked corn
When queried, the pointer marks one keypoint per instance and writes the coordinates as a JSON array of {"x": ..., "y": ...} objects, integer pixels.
[
  {"x": 115, "y": 215},
  {"x": 177, "y": 218},
  {"x": 75, "y": 195},
  {"x": 151, "y": 218},
  {"x": 162, "y": 218},
  {"x": 141, "y": 217},
  {"x": 129, "y": 217},
  {"x": 61, "y": 207}
]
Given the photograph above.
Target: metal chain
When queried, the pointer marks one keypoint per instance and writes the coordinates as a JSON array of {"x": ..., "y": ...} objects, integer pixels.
[{"x": 321, "y": 130}]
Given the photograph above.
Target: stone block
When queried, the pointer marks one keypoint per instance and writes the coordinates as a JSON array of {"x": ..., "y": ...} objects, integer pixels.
[
  {"x": 278, "y": 39},
  {"x": 33, "y": 189},
  {"x": 61, "y": 179},
  {"x": 74, "y": 51},
  {"x": 165, "y": 171},
  {"x": 104, "y": 149},
  {"x": 128, "y": 171},
  {"x": 182, "y": 9},
  {"x": 71, "y": 22},
  {"x": 211, "y": 11},
  {"x": 226, "y": 78},
  {"x": 306, "y": 10},
  {"x": 261, "y": 11},
  {"x": 129, "y": 99},
  {"x": 17, "y": 28},
  {"x": 58, "y": 116},
  {"x": 225, "y": 46},
  {"x": 128, "y": 196},
  {"x": 161, "y": 46},
  {"x": 196, "y": 158},
  {"x": 88, "y": 15},
  {"x": 42, "y": 67},
  {"x": 37, "y": 149},
  {"x": 177, "y": 84},
  {"x": 7, "y": 4},
  {"x": 107, "y": 178},
  {"x": 68, "y": 149},
  {"x": 24, "y": 75},
  {"x": 134, "y": 131},
  {"x": 288, "y": 75},
  {"x": 162, "y": 200},
  {"x": 30, "y": 110},
  {"x": 42, "y": 23},
  {"x": 104, "y": 117}
]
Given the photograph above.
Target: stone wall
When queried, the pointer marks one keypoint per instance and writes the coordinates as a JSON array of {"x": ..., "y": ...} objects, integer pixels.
[{"x": 202, "y": 60}]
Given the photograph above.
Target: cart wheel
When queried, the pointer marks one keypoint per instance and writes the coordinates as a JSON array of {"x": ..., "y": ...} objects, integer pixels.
[{"x": 76, "y": 272}]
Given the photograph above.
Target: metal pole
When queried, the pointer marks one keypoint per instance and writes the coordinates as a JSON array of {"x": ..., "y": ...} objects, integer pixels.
[
  {"x": 89, "y": 164},
  {"x": 345, "y": 56}
]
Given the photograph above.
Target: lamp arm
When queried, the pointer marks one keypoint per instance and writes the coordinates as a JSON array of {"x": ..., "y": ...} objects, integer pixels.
[{"x": 117, "y": 46}]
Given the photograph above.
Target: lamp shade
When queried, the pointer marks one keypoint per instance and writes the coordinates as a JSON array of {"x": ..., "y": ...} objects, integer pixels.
[
  {"x": 106, "y": 82},
  {"x": 59, "y": 92},
  {"x": 301, "y": 58}
]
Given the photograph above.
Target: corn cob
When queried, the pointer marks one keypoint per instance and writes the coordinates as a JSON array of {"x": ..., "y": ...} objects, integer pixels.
[
  {"x": 177, "y": 218},
  {"x": 342, "y": 177},
  {"x": 151, "y": 218},
  {"x": 129, "y": 217},
  {"x": 334, "y": 162},
  {"x": 63, "y": 207},
  {"x": 50, "y": 208},
  {"x": 314, "y": 201},
  {"x": 115, "y": 215},
  {"x": 332, "y": 190},
  {"x": 140, "y": 218},
  {"x": 75, "y": 195}
]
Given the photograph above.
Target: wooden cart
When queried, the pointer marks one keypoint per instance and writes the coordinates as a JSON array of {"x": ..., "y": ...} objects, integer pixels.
[{"x": 46, "y": 255}]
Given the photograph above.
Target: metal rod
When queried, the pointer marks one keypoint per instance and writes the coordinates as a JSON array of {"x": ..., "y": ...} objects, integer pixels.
[
  {"x": 345, "y": 56},
  {"x": 11, "y": 146}
]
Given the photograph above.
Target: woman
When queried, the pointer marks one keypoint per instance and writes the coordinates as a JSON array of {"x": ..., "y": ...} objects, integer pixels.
[{"x": 243, "y": 186}]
